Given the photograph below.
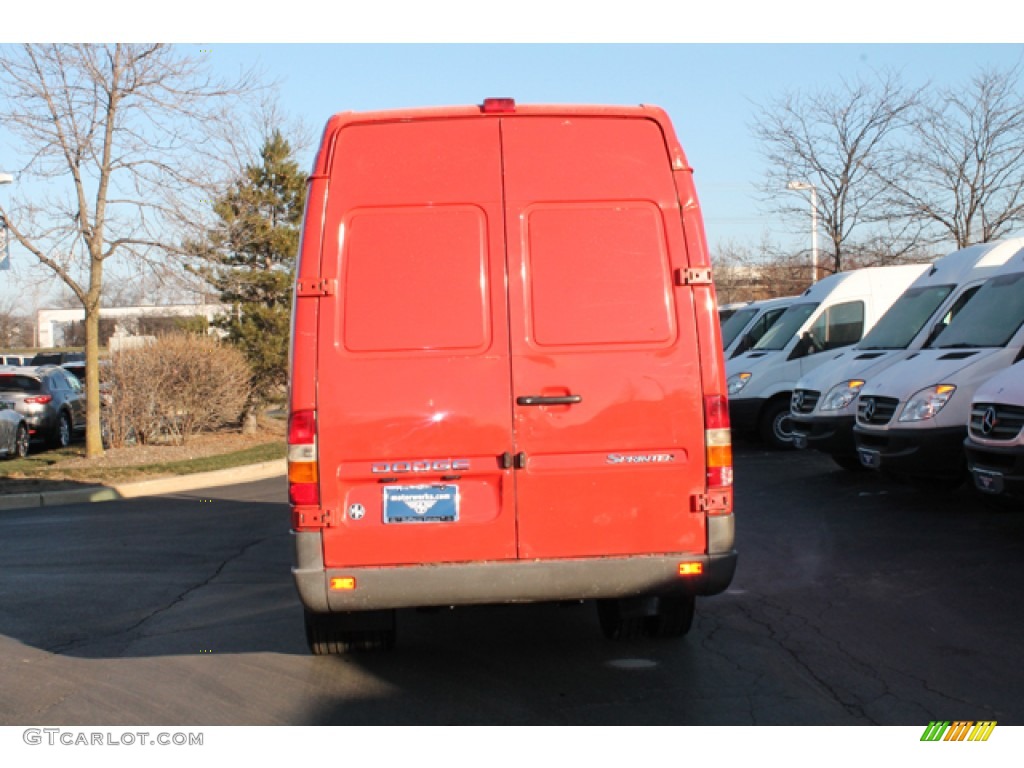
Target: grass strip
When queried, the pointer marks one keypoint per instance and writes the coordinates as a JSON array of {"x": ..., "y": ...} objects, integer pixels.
[{"x": 252, "y": 455}]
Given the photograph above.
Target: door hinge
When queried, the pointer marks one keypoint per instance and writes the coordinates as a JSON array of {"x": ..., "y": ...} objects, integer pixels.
[
  {"x": 710, "y": 502},
  {"x": 693, "y": 276},
  {"x": 508, "y": 461},
  {"x": 317, "y": 287},
  {"x": 322, "y": 518}
]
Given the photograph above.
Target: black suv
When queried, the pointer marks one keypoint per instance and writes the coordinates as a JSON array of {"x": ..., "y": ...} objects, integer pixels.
[{"x": 51, "y": 400}]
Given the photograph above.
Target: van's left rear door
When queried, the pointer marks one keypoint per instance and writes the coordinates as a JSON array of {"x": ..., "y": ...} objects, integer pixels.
[{"x": 414, "y": 393}]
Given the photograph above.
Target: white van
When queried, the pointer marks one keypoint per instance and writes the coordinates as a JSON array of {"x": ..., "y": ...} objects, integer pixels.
[
  {"x": 744, "y": 326},
  {"x": 912, "y": 418},
  {"x": 725, "y": 311},
  {"x": 824, "y": 406},
  {"x": 995, "y": 434},
  {"x": 833, "y": 313}
]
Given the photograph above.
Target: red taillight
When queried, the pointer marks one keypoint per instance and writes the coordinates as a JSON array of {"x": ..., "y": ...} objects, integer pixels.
[
  {"x": 303, "y": 467},
  {"x": 497, "y": 106},
  {"x": 718, "y": 441},
  {"x": 716, "y": 412},
  {"x": 302, "y": 428},
  {"x": 39, "y": 399}
]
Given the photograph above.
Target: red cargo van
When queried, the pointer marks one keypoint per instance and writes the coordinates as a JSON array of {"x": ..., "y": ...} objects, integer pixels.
[{"x": 506, "y": 372}]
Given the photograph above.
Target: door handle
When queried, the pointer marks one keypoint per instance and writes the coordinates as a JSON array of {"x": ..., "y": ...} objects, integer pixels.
[{"x": 552, "y": 400}]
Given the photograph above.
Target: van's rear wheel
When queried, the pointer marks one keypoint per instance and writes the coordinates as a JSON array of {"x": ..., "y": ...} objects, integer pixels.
[
  {"x": 630, "y": 618},
  {"x": 622, "y": 618},
  {"x": 337, "y": 633},
  {"x": 777, "y": 425},
  {"x": 674, "y": 618}
]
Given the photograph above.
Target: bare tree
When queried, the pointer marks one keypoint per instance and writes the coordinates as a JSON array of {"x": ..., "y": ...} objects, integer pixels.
[
  {"x": 15, "y": 324},
  {"x": 125, "y": 137},
  {"x": 743, "y": 273},
  {"x": 963, "y": 173},
  {"x": 839, "y": 141}
]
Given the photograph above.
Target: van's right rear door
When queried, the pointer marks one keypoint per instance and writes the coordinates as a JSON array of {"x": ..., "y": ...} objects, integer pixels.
[{"x": 606, "y": 365}]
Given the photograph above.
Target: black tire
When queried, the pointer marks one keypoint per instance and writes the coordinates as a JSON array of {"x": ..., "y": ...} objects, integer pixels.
[
  {"x": 849, "y": 463},
  {"x": 674, "y": 618},
  {"x": 61, "y": 436},
  {"x": 340, "y": 633},
  {"x": 21, "y": 441},
  {"x": 656, "y": 617},
  {"x": 618, "y": 622},
  {"x": 776, "y": 425}
]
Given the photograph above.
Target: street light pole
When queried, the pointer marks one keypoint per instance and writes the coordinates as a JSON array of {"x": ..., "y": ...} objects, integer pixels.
[{"x": 800, "y": 186}]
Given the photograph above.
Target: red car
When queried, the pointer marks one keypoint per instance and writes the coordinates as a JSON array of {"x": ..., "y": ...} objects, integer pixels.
[{"x": 506, "y": 372}]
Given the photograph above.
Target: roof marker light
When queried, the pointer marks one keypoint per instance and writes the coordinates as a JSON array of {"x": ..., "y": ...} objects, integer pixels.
[{"x": 498, "y": 105}]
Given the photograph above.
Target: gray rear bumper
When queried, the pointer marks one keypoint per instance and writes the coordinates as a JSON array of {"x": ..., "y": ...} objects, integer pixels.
[{"x": 515, "y": 581}]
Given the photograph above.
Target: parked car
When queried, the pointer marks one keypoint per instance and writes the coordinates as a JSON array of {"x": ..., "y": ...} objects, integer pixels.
[
  {"x": 833, "y": 313},
  {"x": 527, "y": 406},
  {"x": 14, "y": 437},
  {"x": 56, "y": 358},
  {"x": 912, "y": 418},
  {"x": 50, "y": 399},
  {"x": 995, "y": 434},
  {"x": 824, "y": 405},
  {"x": 745, "y": 326},
  {"x": 7, "y": 359}
]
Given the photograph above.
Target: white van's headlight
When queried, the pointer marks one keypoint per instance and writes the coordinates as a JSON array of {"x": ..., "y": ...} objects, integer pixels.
[
  {"x": 841, "y": 395},
  {"x": 737, "y": 382},
  {"x": 928, "y": 402}
]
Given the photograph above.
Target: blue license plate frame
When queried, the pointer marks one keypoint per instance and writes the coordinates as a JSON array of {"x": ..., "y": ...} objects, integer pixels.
[{"x": 411, "y": 504}]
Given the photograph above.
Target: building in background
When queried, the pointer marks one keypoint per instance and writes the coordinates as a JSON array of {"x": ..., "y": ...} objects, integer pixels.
[{"x": 66, "y": 327}]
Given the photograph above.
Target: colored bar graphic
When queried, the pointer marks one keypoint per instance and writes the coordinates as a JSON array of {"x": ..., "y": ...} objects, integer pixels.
[
  {"x": 982, "y": 730},
  {"x": 959, "y": 730},
  {"x": 935, "y": 730}
]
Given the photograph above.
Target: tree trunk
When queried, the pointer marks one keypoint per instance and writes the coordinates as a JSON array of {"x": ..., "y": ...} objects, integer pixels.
[
  {"x": 93, "y": 437},
  {"x": 250, "y": 422}
]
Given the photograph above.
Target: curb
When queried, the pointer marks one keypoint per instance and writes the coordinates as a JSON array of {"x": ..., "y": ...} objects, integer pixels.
[{"x": 156, "y": 486}]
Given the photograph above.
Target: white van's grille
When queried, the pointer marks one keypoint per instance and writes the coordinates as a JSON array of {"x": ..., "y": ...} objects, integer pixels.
[
  {"x": 804, "y": 400},
  {"x": 876, "y": 410},
  {"x": 993, "y": 421}
]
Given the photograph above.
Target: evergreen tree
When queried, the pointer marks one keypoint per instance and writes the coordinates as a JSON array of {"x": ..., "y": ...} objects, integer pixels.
[{"x": 250, "y": 261}]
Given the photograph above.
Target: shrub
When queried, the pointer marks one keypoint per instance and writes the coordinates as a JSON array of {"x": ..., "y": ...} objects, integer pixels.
[{"x": 176, "y": 387}]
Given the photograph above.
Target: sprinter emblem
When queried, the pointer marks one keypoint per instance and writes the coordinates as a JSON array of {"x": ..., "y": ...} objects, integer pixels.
[{"x": 647, "y": 458}]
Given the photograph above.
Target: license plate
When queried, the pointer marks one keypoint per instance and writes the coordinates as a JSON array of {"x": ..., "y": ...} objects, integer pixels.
[
  {"x": 870, "y": 459},
  {"x": 421, "y": 504},
  {"x": 988, "y": 481}
]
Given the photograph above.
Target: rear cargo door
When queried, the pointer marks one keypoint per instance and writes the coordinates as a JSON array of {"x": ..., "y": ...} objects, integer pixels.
[
  {"x": 605, "y": 362},
  {"x": 414, "y": 395}
]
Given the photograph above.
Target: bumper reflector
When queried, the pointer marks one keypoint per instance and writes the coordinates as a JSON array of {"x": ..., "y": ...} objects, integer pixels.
[
  {"x": 691, "y": 569},
  {"x": 343, "y": 584}
]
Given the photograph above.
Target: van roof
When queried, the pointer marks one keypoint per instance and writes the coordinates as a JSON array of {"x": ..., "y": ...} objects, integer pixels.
[
  {"x": 478, "y": 111},
  {"x": 971, "y": 262},
  {"x": 857, "y": 279}
]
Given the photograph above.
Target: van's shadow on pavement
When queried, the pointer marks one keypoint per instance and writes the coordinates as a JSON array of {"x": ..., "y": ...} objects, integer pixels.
[{"x": 150, "y": 576}]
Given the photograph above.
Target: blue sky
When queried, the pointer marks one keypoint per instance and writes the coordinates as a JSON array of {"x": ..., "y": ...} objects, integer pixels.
[{"x": 710, "y": 90}]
